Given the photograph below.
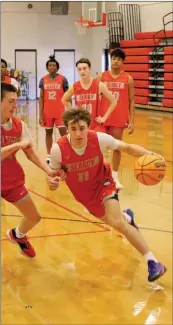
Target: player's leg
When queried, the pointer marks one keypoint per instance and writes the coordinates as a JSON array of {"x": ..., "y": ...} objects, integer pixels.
[
  {"x": 114, "y": 218},
  {"x": 49, "y": 124},
  {"x": 30, "y": 218},
  {"x": 117, "y": 133},
  {"x": 61, "y": 127}
]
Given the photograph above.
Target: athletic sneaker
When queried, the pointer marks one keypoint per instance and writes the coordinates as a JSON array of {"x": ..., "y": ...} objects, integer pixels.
[
  {"x": 48, "y": 160},
  {"x": 24, "y": 244},
  {"x": 155, "y": 270},
  {"x": 130, "y": 213}
]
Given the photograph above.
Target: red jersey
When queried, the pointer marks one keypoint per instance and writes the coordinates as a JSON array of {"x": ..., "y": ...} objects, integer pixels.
[
  {"x": 120, "y": 89},
  {"x": 12, "y": 174},
  {"x": 86, "y": 174},
  {"x": 53, "y": 93},
  {"x": 87, "y": 99},
  {"x": 7, "y": 80}
]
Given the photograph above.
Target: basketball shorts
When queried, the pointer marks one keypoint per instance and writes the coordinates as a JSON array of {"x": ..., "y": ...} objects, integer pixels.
[
  {"x": 16, "y": 194},
  {"x": 109, "y": 129},
  {"x": 109, "y": 191},
  {"x": 49, "y": 123}
]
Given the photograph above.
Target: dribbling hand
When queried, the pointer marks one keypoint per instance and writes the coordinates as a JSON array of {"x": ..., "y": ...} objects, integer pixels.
[{"x": 53, "y": 182}]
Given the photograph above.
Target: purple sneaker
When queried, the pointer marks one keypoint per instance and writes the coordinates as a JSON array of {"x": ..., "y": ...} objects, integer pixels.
[
  {"x": 131, "y": 214},
  {"x": 155, "y": 270}
]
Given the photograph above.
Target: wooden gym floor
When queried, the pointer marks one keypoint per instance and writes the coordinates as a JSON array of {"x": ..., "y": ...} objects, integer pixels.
[{"x": 84, "y": 272}]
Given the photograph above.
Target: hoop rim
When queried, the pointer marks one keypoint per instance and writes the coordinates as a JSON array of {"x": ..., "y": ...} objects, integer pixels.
[{"x": 83, "y": 21}]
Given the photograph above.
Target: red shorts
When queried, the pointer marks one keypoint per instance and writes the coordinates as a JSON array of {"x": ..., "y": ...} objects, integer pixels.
[
  {"x": 109, "y": 129},
  {"x": 49, "y": 123},
  {"x": 16, "y": 194},
  {"x": 96, "y": 207}
]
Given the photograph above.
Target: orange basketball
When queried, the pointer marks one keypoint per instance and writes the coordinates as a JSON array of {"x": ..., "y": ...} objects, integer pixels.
[{"x": 149, "y": 169}]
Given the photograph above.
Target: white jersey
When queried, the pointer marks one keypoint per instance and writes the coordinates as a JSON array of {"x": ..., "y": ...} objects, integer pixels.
[{"x": 106, "y": 141}]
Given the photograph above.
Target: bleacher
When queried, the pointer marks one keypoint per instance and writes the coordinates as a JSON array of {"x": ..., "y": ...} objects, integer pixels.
[{"x": 149, "y": 60}]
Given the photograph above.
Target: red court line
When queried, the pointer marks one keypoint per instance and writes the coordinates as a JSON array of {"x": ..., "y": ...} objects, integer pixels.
[
  {"x": 58, "y": 235},
  {"x": 67, "y": 209}
]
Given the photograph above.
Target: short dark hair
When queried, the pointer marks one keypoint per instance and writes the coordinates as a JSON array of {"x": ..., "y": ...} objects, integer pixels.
[
  {"x": 75, "y": 115},
  {"x": 118, "y": 53},
  {"x": 5, "y": 62},
  {"x": 52, "y": 59},
  {"x": 7, "y": 88},
  {"x": 84, "y": 60}
]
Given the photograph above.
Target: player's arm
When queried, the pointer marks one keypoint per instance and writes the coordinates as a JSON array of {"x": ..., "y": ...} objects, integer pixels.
[
  {"x": 131, "y": 104},
  {"x": 41, "y": 101},
  {"x": 55, "y": 164},
  {"x": 67, "y": 98},
  {"x": 8, "y": 150},
  {"x": 113, "y": 102}
]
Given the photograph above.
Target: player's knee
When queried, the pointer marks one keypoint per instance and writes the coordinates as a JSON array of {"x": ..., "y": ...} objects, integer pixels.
[
  {"x": 49, "y": 133},
  {"x": 118, "y": 224}
]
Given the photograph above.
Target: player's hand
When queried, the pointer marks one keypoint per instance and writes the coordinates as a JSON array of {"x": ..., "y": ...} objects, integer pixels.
[
  {"x": 25, "y": 144},
  {"x": 161, "y": 157},
  {"x": 41, "y": 120},
  {"x": 53, "y": 182},
  {"x": 58, "y": 172},
  {"x": 100, "y": 119},
  {"x": 130, "y": 128}
]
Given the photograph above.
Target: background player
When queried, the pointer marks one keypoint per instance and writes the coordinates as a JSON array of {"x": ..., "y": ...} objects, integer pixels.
[
  {"x": 15, "y": 136},
  {"x": 90, "y": 179},
  {"x": 121, "y": 85},
  {"x": 87, "y": 92},
  {"x": 52, "y": 87},
  {"x": 4, "y": 76}
]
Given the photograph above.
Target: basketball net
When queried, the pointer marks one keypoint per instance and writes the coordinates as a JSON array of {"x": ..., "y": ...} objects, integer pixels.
[{"x": 82, "y": 26}]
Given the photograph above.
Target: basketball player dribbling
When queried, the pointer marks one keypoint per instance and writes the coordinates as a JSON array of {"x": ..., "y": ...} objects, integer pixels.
[
  {"x": 52, "y": 87},
  {"x": 15, "y": 136},
  {"x": 121, "y": 85},
  {"x": 87, "y": 92},
  {"x": 90, "y": 179},
  {"x": 4, "y": 77}
]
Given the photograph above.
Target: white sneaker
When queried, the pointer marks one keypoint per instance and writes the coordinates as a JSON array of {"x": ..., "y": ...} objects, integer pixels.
[{"x": 48, "y": 160}]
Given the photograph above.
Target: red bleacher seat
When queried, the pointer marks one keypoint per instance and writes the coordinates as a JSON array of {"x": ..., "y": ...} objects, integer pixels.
[
  {"x": 142, "y": 83},
  {"x": 168, "y": 76},
  {"x": 168, "y": 67},
  {"x": 139, "y": 43},
  {"x": 142, "y": 92},
  {"x": 168, "y": 85},
  {"x": 168, "y": 50},
  {"x": 168, "y": 94},
  {"x": 150, "y": 35},
  {"x": 137, "y": 51},
  {"x": 136, "y": 67},
  {"x": 142, "y": 100},
  {"x": 167, "y": 102},
  {"x": 137, "y": 59},
  {"x": 168, "y": 58},
  {"x": 140, "y": 75}
]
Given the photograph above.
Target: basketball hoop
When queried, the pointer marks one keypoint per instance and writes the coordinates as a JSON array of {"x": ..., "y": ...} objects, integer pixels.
[{"x": 82, "y": 25}]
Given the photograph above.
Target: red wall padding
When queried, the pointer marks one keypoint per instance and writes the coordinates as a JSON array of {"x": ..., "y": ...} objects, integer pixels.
[
  {"x": 139, "y": 43},
  {"x": 140, "y": 75},
  {"x": 168, "y": 76},
  {"x": 142, "y": 83},
  {"x": 142, "y": 100},
  {"x": 168, "y": 58},
  {"x": 149, "y": 35},
  {"x": 168, "y": 50},
  {"x": 137, "y": 51},
  {"x": 168, "y": 85},
  {"x": 142, "y": 92},
  {"x": 136, "y": 67},
  {"x": 168, "y": 67},
  {"x": 168, "y": 94},
  {"x": 137, "y": 59},
  {"x": 167, "y": 102}
]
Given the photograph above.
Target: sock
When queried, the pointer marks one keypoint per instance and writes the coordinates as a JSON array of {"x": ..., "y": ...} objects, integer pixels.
[
  {"x": 149, "y": 256},
  {"x": 127, "y": 217},
  {"x": 18, "y": 233}
]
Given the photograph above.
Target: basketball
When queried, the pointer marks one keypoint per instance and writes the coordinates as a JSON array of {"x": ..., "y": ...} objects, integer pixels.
[{"x": 149, "y": 169}]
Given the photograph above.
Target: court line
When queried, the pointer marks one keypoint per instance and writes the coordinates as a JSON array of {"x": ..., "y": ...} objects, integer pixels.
[
  {"x": 60, "y": 235},
  {"x": 89, "y": 221},
  {"x": 66, "y": 209}
]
